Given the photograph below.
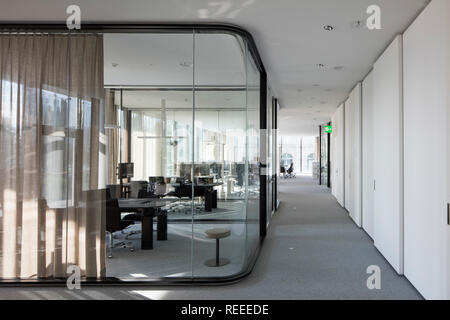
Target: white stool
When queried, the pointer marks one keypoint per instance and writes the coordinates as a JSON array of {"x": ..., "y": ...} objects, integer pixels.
[{"x": 217, "y": 233}]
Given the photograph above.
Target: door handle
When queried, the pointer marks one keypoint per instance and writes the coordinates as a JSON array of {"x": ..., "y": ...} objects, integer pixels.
[{"x": 448, "y": 214}]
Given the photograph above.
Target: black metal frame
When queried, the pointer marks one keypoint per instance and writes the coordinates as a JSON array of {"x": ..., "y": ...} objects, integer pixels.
[
  {"x": 328, "y": 137},
  {"x": 162, "y": 28}
]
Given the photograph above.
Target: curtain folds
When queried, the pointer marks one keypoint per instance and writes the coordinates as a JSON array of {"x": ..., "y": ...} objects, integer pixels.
[{"x": 52, "y": 154}]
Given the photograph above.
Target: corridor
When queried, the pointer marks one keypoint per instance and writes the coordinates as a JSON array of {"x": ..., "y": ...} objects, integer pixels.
[{"x": 313, "y": 250}]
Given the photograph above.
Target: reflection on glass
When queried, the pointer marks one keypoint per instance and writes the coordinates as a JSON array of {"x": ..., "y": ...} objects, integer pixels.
[{"x": 152, "y": 177}]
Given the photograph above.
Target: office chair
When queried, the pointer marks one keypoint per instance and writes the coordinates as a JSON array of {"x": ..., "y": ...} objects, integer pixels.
[
  {"x": 283, "y": 171},
  {"x": 290, "y": 171},
  {"x": 115, "y": 223}
]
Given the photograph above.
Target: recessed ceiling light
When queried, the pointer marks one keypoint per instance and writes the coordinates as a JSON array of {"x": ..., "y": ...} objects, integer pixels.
[
  {"x": 356, "y": 24},
  {"x": 328, "y": 28},
  {"x": 186, "y": 64},
  {"x": 316, "y": 85},
  {"x": 114, "y": 64},
  {"x": 338, "y": 68}
]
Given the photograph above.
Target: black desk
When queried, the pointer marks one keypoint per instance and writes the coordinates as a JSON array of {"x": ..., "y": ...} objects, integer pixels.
[
  {"x": 205, "y": 190},
  {"x": 148, "y": 209}
]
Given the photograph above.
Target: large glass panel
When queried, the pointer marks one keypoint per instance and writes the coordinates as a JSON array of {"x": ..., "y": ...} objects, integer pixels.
[
  {"x": 155, "y": 96},
  {"x": 254, "y": 157},
  {"x": 127, "y": 156},
  {"x": 220, "y": 155}
]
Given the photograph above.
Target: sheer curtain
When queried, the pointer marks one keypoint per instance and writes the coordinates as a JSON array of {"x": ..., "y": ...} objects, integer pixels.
[{"x": 52, "y": 151}]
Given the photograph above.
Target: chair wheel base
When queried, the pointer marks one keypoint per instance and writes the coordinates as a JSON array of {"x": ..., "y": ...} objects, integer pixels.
[{"x": 213, "y": 262}]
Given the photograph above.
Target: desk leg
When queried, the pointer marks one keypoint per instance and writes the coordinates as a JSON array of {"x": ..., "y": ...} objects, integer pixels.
[
  {"x": 208, "y": 201},
  {"x": 162, "y": 226},
  {"x": 147, "y": 230},
  {"x": 214, "y": 199}
]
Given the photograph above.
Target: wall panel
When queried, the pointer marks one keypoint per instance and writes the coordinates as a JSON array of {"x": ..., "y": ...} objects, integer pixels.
[
  {"x": 426, "y": 105},
  {"x": 337, "y": 155},
  {"x": 388, "y": 146},
  {"x": 353, "y": 154},
  {"x": 368, "y": 156}
]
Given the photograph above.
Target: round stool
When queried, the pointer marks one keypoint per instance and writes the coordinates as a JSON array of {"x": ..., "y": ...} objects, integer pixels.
[{"x": 217, "y": 233}]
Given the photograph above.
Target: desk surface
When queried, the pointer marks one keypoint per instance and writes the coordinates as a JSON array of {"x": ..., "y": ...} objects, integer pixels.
[
  {"x": 215, "y": 184},
  {"x": 145, "y": 203}
]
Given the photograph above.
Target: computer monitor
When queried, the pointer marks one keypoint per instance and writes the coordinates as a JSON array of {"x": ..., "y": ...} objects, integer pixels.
[
  {"x": 126, "y": 170},
  {"x": 202, "y": 169},
  {"x": 185, "y": 170}
]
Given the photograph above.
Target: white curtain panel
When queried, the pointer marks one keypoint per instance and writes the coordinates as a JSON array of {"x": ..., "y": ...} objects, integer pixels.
[{"x": 51, "y": 126}]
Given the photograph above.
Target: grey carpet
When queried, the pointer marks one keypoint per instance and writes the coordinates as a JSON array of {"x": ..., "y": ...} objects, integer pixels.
[{"x": 312, "y": 251}]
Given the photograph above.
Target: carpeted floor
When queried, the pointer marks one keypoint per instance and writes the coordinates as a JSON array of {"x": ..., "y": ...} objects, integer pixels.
[{"x": 313, "y": 250}]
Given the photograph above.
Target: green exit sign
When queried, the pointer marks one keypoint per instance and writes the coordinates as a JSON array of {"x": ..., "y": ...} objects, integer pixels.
[{"x": 328, "y": 129}]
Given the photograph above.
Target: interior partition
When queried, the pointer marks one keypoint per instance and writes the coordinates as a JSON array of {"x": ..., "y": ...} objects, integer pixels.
[{"x": 135, "y": 157}]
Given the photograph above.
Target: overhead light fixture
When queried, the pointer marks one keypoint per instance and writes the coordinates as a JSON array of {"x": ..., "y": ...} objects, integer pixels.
[
  {"x": 186, "y": 64},
  {"x": 328, "y": 28},
  {"x": 114, "y": 64},
  {"x": 356, "y": 24}
]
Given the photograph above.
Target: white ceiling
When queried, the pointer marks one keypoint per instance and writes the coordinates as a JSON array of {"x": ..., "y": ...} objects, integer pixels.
[
  {"x": 213, "y": 100},
  {"x": 288, "y": 33},
  {"x": 167, "y": 59}
]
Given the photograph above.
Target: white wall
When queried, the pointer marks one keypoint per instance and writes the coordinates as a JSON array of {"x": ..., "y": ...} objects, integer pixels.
[
  {"x": 426, "y": 194},
  {"x": 353, "y": 154},
  {"x": 337, "y": 155},
  {"x": 367, "y": 156},
  {"x": 388, "y": 146}
]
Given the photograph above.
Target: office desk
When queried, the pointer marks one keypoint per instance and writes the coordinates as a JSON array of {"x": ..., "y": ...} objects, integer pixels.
[
  {"x": 148, "y": 209},
  {"x": 205, "y": 190}
]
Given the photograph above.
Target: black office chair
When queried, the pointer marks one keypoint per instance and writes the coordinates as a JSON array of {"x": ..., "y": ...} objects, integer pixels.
[
  {"x": 283, "y": 171},
  {"x": 115, "y": 223},
  {"x": 290, "y": 171}
]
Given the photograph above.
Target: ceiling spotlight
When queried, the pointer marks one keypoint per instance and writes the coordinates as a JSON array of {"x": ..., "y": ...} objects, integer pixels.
[
  {"x": 186, "y": 64},
  {"x": 328, "y": 28},
  {"x": 356, "y": 24},
  {"x": 114, "y": 64}
]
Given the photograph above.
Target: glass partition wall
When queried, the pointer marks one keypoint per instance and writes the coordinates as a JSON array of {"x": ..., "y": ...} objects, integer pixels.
[{"x": 145, "y": 163}]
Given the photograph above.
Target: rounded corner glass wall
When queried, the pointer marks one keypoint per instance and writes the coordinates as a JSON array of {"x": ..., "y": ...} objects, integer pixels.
[{"x": 133, "y": 156}]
